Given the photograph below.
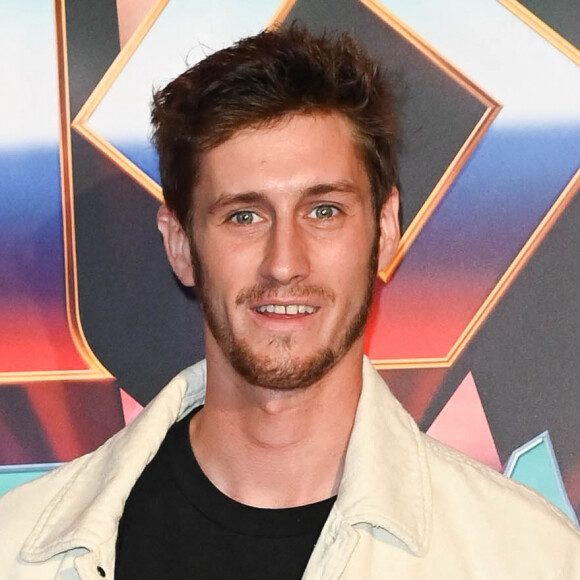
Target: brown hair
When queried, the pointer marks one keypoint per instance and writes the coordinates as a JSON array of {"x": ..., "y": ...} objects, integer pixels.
[{"x": 259, "y": 80}]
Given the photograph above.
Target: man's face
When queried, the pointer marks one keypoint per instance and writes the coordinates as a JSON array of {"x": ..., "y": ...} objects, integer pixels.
[{"x": 285, "y": 249}]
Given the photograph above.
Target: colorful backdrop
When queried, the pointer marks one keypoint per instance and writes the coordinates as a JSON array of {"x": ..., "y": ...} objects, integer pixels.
[{"x": 477, "y": 329}]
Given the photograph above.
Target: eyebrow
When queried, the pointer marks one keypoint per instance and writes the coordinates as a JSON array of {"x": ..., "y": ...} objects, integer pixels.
[
  {"x": 227, "y": 199},
  {"x": 252, "y": 197},
  {"x": 341, "y": 186}
]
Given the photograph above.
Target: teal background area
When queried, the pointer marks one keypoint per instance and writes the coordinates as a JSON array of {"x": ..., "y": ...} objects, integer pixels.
[
  {"x": 535, "y": 465},
  {"x": 11, "y": 477}
]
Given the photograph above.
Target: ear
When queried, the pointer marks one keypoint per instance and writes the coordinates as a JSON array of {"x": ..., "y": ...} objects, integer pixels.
[
  {"x": 389, "y": 229},
  {"x": 176, "y": 244}
]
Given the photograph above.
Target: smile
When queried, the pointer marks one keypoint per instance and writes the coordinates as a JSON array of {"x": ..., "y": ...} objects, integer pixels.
[{"x": 288, "y": 310}]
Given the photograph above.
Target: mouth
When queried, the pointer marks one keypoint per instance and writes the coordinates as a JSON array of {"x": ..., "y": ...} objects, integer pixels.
[{"x": 286, "y": 309}]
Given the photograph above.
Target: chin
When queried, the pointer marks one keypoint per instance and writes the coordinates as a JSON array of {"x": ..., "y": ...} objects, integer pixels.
[{"x": 284, "y": 372}]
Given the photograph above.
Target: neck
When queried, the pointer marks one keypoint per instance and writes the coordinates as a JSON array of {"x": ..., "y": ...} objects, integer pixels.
[{"x": 270, "y": 448}]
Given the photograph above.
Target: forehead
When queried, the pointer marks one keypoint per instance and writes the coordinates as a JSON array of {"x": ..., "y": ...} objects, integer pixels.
[{"x": 289, "y": 155}]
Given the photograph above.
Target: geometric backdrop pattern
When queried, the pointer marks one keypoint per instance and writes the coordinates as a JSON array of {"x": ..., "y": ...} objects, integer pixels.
[{"x": 93, "y": 324}]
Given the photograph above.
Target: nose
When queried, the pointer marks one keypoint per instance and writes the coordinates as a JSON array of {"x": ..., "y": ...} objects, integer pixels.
[{"x": 286, "y": 260}]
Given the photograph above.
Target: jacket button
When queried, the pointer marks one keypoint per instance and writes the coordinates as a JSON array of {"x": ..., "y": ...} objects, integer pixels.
[{"x": 101, "y": 572}]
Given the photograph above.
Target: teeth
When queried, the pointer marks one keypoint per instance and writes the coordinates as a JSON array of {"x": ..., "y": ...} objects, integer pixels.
[{"x": 290, "y": 309}]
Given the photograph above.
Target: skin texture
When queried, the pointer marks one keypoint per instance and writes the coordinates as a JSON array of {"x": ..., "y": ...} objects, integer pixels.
[{"x": 282, "y": 218}]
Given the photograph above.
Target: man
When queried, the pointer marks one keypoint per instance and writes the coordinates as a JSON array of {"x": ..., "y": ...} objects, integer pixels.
[{"x": 284, "y": 455}]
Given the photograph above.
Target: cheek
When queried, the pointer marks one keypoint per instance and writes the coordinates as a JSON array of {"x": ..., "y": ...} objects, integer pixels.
[
  {"x": 355, "y": 275},
  {"x": 348, "y": 257},
  {"x": 230, "y": 265}
]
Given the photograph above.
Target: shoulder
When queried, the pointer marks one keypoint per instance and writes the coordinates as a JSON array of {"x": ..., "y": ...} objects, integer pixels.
[
  {"x": 494, "y": 511},
  {"x": 453, "y": 467},
  {"x": 28, "y": 497},
  {"x": 22, "y": 508},
  {"x": 125, "y": 454},
  {"x": 86, "y": 496}
]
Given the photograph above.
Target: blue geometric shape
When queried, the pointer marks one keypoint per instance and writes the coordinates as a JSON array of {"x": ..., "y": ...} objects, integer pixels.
[
  {"x": 535, "y": 465},
  {"x": 13, "y": 475}
]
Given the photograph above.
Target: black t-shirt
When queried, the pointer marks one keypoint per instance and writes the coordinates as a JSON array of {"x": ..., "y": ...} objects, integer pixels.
[{"x": 178, "y": 525}]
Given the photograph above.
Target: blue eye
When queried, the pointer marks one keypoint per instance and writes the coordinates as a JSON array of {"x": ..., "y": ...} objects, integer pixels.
[
  {"x": 323, "y": 212},
  {"x": 245, "y": 217}
]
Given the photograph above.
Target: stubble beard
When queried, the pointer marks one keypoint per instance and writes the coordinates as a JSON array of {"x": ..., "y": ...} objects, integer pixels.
[{"x": 277, "y": 373}]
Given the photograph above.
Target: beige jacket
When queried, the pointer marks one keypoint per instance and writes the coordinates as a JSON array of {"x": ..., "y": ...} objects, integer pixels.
[{"x": 407, "y": 508}]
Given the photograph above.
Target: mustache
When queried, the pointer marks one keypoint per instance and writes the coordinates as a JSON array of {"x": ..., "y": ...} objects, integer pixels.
[{"x": 258, "y": 292}]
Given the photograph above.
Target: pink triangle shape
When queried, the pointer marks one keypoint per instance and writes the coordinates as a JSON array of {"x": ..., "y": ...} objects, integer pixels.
[
  {"x": 130, "y": 14},
  {"x": 131, "y": 408},
  {"x": 462, "y": 424}
]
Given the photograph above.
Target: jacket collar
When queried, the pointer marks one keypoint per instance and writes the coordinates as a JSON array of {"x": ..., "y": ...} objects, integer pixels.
[
  {"x": 89, "y": 503},
  {"x": 386, "y": 489},
  {"x": 386, "y": 480}
]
